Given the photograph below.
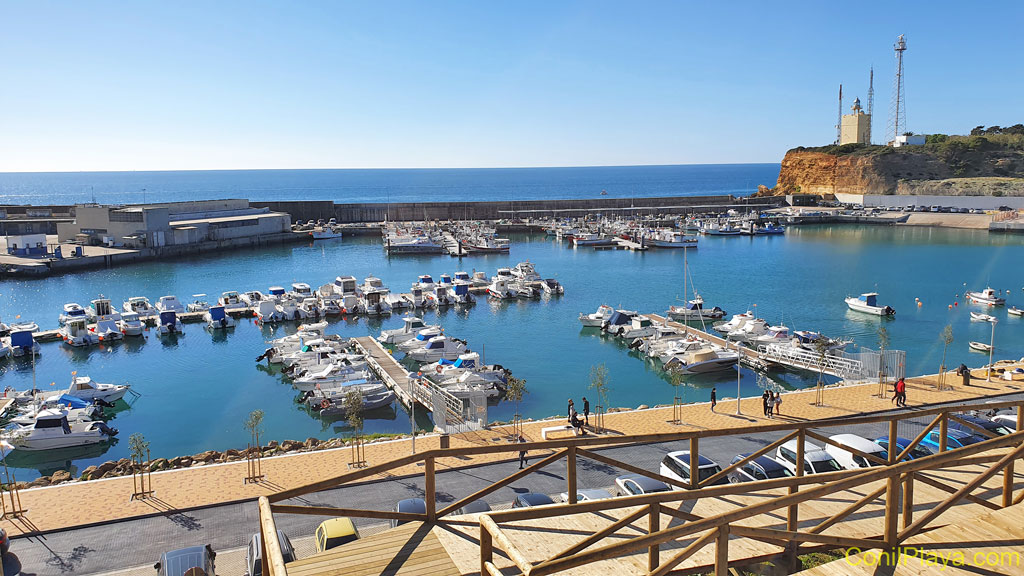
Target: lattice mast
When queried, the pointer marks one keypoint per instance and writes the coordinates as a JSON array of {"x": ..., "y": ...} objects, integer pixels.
[
  {"x": 839, "y": 117},
  {"x": 898, "y": 108},
  {"x": 871, "y": 101}
]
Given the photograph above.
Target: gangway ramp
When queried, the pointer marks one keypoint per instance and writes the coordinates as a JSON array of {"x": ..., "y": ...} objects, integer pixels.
[{"x": 793, "y": 357}]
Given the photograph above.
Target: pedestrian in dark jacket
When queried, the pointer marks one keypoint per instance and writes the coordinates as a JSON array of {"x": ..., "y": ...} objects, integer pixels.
[
  {"x": 765, "y": 399},
  {"x": 571, "y": 410},
  {"x": 586, "y": 411},
  {"x": 522, "y": 453},
  {"x": 714, "y": 400},
  {"x": 964, "y": 372}
]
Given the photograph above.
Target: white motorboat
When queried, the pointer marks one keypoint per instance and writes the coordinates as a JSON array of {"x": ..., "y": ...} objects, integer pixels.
[
  {"x": 198, "y": 303},
  {"x": 373, "y": 395},
  {"x": 5, "y": 349},
  {"x": 52, "y": 430},
  {"x": 330, "y": 302},
  {"x": 84, "y": 413},
  {"x": 501, "y": 288},
  {"x": 24, "y": 327},
  {"x": 436, "y": 348},
  {"x": 288, "y": 307},
  {"x": 251, "y": 298},
  {"x": 468, "y": 384},
  {"x": 75, "y": 332},
  {"x": 412, "y": 244},
  {"x": 461, "y": 293},
  {"x": 702, "y": 359},
  {"x": 72, "y": 310},
  {"x": 979, "y": 347},
  {"x": 231, "y": 300},
  {"x": 986, "y": 296},
  {"x": 217, "y": 318},
  {"x": 480, "y": 279},
  {"x": 310, "y": 308},
  {"x": 411, "y": 325},
  {"x": 443, "y": 296},
  {"x": 1014, "y": 311},
  {"x": 735, "y": 323},
  {"x": 597, "y": 319},
  {"x": 325, "y": 233},
  {"x": 421, "y": 338},
  {"x": 130, "y": 324},
  {"x": 346, "y": 286},
  {"x": 300, "y": 291},
  {"x": 979, "y": 317},
  {"x": 695, "y": 310},
  {"x": 107, "y": 319},
  {"x": 716, "y": 229},
  {"x": 85, "y": 388},
  {"x": 868, "y": 304},
  {"x": 332, "y": 375},
  {"x": 374, "y": 303},
  {"x": 619, "y": 321},
  {"x": 552, "y": 287},
  {"x": 22, "y": 342},
  {"x": 169, "y": 304},
  {"x": 809, "y": 341},
  {"x": 750, "y": 330},
  {"x": 444, "y": 368},
  {"x": 591, "y": 239},
  {"x": 639, "y": 327},
  {"x": 169, "y": 323},
  {"x": 373, "y": 284},
  {"x": 774, "y": 335},
  {"x": 523, "y": 289},
  {"x": 266, "y": 311},
  {"x": 425, "y": 282},
  {"x": 140, "y": 305},
  {"x": 276, "y": 294},
  {"x": 526, "y": 272},
  {"x": 417, "y": 299},
  {"x": 670, "y": 239}
]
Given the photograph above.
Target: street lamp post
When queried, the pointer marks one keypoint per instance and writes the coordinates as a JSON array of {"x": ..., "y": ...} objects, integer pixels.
[
  {"x": 738, "y": 356},
  {"x": 991, "y": 349}
]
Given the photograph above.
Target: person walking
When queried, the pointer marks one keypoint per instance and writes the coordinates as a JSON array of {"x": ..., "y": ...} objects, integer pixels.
[
  {"x": 770, "y": 404},
  {"x": 522, "y": 453},
  {"x": 571, "y": 410},
  {"x": 714, "y": 400},
  {"x": 895, "y": 392},
  {"x": 901, "y": 392},
  {"x": 777, "y": 408},
  {"x": 965, "y": 373},
  {"x": 586, "y": 411},
  {"x": 765, "y": 399}
]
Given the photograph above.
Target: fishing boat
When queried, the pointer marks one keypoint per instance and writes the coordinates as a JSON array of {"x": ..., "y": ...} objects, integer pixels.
[
  {"x": 591, "y": 239},
  {"x": 325, "y": 232},
  {"x": 130, "y": 324},
  {"x": 461, "y": 292},
  {"x": 695, "y": 310},
  {"x": 140, "y": 305},
  {"x": 770, "y": 229},
  {"x": 868, "y": 304},
  {"x": 411, "y": 326},
  {"x": 986, "y": 296},
  {"x": 216, "y": 318},
  {"x": 1014, "y": 311},
  {"x": 107, "y": 328},
  {"x": 231, "y": 300},
  {"x": 979, "y": 346},
  {"x": 597, "y": 319},
  {"x": 409, "y": 244},
  {"x": 169, "y": 304},
  {"x": 75, "y": 332},
  {"x": 979, "y": 317},
  {"x": 436, "y": 348},
  {"x": 71, "y": 310},
  {"x": 670, "y": 239},
  {"x": 52, "y": 430},
  {"x": 169, "y": 323},
  {"x": 85, "y": 388},
  {"x": 715, "y": 229},
  {"x": 198, "y": 303}
]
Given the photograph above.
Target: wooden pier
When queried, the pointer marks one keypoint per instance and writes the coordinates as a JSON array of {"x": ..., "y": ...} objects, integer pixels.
[
  {"x": 748, "y": 354},
  {"x": 392, "y": 373},
  {"x": 630, "y": 245},
  {"x": 452, "y": 245}
]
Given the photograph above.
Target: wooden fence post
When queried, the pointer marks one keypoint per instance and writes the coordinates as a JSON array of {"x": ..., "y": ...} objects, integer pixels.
[
  {"x": 694, "y": 463},
  {"x": 722, "y": 551},
  {"x": 429, "y": 489},
  {"x": 570, "y": 467},
  {"x": 653, "y": 525}
]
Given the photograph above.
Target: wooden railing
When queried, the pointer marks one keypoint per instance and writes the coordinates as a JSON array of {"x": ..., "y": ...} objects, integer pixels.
[{"x": 717, "y": 528}]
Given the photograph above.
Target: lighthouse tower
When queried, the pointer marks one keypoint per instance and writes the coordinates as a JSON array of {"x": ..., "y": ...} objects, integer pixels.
[{"x": 856, "y": 126}]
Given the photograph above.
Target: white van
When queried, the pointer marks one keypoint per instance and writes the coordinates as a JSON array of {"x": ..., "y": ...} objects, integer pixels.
[
  {"x": 852, "y": 461},
  {"x": 816, "y": 460}
]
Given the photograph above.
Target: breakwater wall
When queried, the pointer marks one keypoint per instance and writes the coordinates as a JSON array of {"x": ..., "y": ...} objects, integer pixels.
[{"x": 405, "y": 211}]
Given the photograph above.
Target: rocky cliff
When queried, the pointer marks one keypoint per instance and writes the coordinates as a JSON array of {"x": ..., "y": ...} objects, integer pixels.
[{"x": 968, "y": 167}]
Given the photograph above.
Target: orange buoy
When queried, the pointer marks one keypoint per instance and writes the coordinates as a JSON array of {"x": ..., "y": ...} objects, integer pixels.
[
  {"x": 919, "y": 303},
  {"x": 950, "y": 306}
]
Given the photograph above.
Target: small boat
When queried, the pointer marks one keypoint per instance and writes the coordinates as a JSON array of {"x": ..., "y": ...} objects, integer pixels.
[
  {"x": 436, "y": 348},
  {"x": 140, "y": 305},
  {"x": 1014, "y": 311},
  {"x": 426, "y": 283},
  {"x": 410, "y": 328},
  {"x": 300, "y": 290},
  {"x": 979, "y": 346},
  {"x": 231, "y": 300},
  {"x": 168, "y": 323},
  {"x": 71, "y": 310},
  {"x": 986, "y": 296},
  {"x": 375, "y": 304},
  {"x": 85, "y": 388},
  {"x": 591, "y": 239},
  {"x": 501, "y": 288},
  {"x": 443, "y": 296},
  {"x": 701, "y": 358},
  {"x": 22, "y": 342},
  {"x": 809, "y": 341},
  {"x": 51, "y": 430},
  {"x": 735, "y": 323},
  {"x": 695, "y": 310},
  {"x": 670, "y": 239},
  {"x": 198, "y": 304},
  {"x": 421, "y": 338},
  {"x": 130, "y": 324},
  {"x": 526, "y": 272},
  {"x": 751, "y": 330},
  {"x": 868, "y": 304},
  {"x": 461, "y": 292},
  {"x": 979, "y": 317},
  {"x": 169, "y": 304},
  {"x": 639, "y": 327},
  {"x": 75, "y": 332},
  {"x": 552, "y": 286},
  {"x": 597, "y": 319},
  {"x": 325, "y": 233},
  {"x": 217, "y": 318},
  {"x": 619, "y": 321},
  {"x": 769, "y": 229},
  {"x": 251, "y": 298}
]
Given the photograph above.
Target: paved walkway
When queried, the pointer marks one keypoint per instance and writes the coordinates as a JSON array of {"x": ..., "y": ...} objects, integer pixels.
[{"x": 108, "y": 500}]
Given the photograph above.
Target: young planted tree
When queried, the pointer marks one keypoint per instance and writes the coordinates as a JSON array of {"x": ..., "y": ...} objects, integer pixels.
[
  {"x": 254, "y": 454},
  {"x": 599, "y": 383},
  {"x": 947, "y": 338},
  {"x": 677, "y": 380},
  {"x": 883, "y": 344},
  {"x": 821, "y": 348},
  {"x": 515, "y": 389},
  {"x": 138, "y": 449},
  {"x": 354, "y": 415}
]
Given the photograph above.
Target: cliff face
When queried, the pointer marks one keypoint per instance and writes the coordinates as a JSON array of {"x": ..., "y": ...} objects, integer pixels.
[{"x": 916, "y": 170}]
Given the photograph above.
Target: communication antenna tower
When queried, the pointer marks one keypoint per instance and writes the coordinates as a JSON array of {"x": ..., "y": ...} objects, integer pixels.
[
  {"x": 898, "y": 112},
  {"x": 839, "y": 117},
  {"x": 871, "y": 101}
]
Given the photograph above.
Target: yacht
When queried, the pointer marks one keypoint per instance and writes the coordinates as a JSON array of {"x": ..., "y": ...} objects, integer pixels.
[
  {"x": 51, "y": 430},
  {"x": 198, "y": 303},
  {"x": 169, "y": 304},
  {"x": 421, "y": 338},
  {"x": 750, "y": 330},
  {"x": 702, "y": 359},
  {"x": 868, "y": 304},
  {"x": 231, "y": 300},
  {"x": 501, "y": 288},
  {"x": 75, "y": 332},
  {"x": 140, "y": 305},
  {"x": 552, "y": 287},
  {"x": 411, "y": 325},
  {"x": 986, "y": 296},
  {"x": 436, "y": 348},
  {"x": 735, "y": 323},
  {"x": 597, "y": 319},
  {"x": 774, "y": 335},
  {"x": 71, "y": 310},
  {"x": 168, "y": 323},
  {"x": 695, "y": 310},
  {"x": 216, "y": 318},
  {"x": 526, "y": 272},
  {"x": 130, "y": 324},
  {"x": 85, "y": 388}
]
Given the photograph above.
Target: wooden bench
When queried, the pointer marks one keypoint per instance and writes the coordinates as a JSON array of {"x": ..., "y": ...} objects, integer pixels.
[{"x": 563, "y": 428}]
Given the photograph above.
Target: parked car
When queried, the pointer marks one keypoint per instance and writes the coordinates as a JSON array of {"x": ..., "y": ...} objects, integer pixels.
[
  {"x": 474, "y": 507},
  {"x": 254, "y": 553},
  {"x": 816, "y": 460},
  {"x": 633, "y": 484},
  {"x": 411, "y": 506},
  {"x": 901, "y": 445},
  {"x": 178, "y": 562},
  {"x": 760, "y": 468},
  {"x": 589, "y": 495},
  {"x": 676, "y": 465},
  {"x": 997, "y": 428},
  {"x": 531, "y": 499},
  {"x": 954, "y": 439},
  {"x": 335, "y": 532},
  {"x": 848, "y": 459},
  {"x": 1008, "y": 419}
]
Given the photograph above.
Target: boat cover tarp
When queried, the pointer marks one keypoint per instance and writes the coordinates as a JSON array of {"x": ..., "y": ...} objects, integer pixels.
[
  {"x": 465, "y": 363},
  {"x": 618, "y": 318},
  {"x": 216, "y": 313},
  {"x": 461, "y": 289},
  {"x": 22, "y": 339},
  {"x": 168, "y": 318},
  {"x": 72, "y": 401}
]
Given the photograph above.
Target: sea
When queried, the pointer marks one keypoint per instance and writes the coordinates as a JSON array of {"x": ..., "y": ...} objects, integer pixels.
[{"x": 196, "y": 390}]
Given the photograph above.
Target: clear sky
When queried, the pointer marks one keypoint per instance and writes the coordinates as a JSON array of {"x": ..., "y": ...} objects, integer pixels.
[{"x": 378, "y": 84}]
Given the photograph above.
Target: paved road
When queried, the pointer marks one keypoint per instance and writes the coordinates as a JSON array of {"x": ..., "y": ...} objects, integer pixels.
[{"x": 138, "y": 543}]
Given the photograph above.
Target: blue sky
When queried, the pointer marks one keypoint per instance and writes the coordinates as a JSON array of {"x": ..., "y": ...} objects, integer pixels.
[{"x": 207, "y": 85}]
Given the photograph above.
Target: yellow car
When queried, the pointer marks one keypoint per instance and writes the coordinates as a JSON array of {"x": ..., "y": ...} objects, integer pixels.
[{"x": 335, "y": 532}]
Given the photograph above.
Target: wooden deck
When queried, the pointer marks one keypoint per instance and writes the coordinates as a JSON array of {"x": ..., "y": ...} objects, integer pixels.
[
  {"x": 409, "y": 550},
  {"x": 390, "y": 371},
  {"x": 748, "y": 353}
]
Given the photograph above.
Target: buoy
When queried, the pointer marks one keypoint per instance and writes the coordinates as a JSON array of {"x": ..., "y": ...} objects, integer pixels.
[
  {"x": 950, "y": 306},
  {"x": 917, "y": 299},
  {"x": 919, "y": 303},
  {"x": 956, "y": 303}
]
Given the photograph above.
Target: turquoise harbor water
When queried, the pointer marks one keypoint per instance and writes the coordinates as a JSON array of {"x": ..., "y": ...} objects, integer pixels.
[{"x": 196, "y": 389}]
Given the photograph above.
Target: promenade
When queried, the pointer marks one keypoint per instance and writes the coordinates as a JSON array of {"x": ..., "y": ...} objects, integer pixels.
[{"x": 109, "y": 500}]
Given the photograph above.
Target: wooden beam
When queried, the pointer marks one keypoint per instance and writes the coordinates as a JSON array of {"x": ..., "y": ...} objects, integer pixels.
[
  {"x": 943, "y": 431},
  {"x": 499, "y": 537},
  {"x": 602, "y": 533},
  {"x": 653, "y": 525},
  {"x": 908, "y": 498},
  {"x": 570, "y": 475},
  {"x": 630, "y": 468},
  {"x": 501, "y": 483},
  {"x": 792, "y": 536},
  {"x": 709, "y": 481},
  {"x": 349, "y": 477},
  {"x": 722, "y": 551},
  {"x": 486, "y": 550},
  {"x": 973, "y": 427},
  {"x": 893, "y": 434},
  {"x": 917, "y": 439},
  {"x": 353, "y": 512},
  {"x": 959, "y": 494},
  {"x": 688, "y": 517},
  {"x": 694, "y": 463},
  {"x": 850, "y": 449},
  {"x": 685, "y": 553},
  {"x": 792, "y": 515},
  {"x": 842, "y": 514},
  {"x": 934, "y": 483},
  {"x": 268, "y": 528},
  {"x": 429, "y": 490},
  {"x": 490, "y": 569}
]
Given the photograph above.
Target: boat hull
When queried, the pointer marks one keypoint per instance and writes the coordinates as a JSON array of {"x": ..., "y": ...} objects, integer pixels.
[{"x": 857, "y": 306}]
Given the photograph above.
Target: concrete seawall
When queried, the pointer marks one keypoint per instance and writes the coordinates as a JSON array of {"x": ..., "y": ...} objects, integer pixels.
[{"x": 404, "y": 211}]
